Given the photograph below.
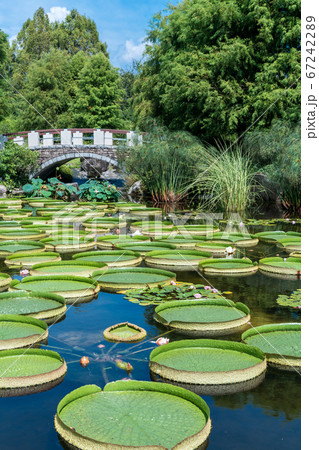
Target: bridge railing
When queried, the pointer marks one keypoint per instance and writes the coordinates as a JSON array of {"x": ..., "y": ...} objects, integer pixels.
[{"x": 74, "y": 137}]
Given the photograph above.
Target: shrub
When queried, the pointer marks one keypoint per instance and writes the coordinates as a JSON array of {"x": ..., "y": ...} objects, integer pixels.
[
  {"x": 17, "y": 163},
  {"x": 277, "y": 152},
  {"x": 165, "y": 163},
  {"x": 99, "y": 191}
]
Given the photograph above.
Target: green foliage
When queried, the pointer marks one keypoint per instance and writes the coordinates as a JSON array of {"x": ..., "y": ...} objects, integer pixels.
[
  {"x": 212, "y": 67},
  {"x": 17, "y": 163},
  {"x": 292, "y": 301},
  {"x": 99, "y": 191},
  {"x": 98, "y": 95},
  {"x": 165, "y": 162},
  {"x": 173, "y": 291},
  {"x": 226, "y": 179},
  {"x": 54, "y": 188},
  {"x": 277, "y": 152},
  {"x": 4, "y": 47}
]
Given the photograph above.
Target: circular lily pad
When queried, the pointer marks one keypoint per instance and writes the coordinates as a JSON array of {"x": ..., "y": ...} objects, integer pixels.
[
  {"x": 290, "y": 244},
  {"x": 159, "y": 232},
  {"x": 147, "y": 224},
  {"x": 27, "y": 371},
  {"x": 138, "y": 211},
  {"x": 110, "y": 241},
  {"x": 26, "y": 260},
  {"x": 65, "y": 244},
  {"x": 12, "y": 214},
  {"x": 145, "y": 247},
  {"x": 200, "y": 230},
  {"x": 5, "y": 281},
  {"x": 180, "y": 241},
  {"x": 114, "y": 280},
  {"x": 102, "y": 223},
  {"x": 126, "y": 207},
  {"x": 111, "y": 258},
  {"x": 215, "y": 248},
  {"x": 275, "y": 236},
  {"x": 281, "y": 342},
  {"x": 280, "y": 266},
  {"x": 228, "y": 266},
  {"x": 72, "y": 289},
  {"x": 78, "y": 268},
  {"x": 8, "y": 225},
  {"x": 203, "y": 318},
  {"x": 40, "y": 305},
  {"x": 221, "y": 367},
  {"x": 124, "y": 332},
  {"x": 10, "y": 247},
  {"x": 20, "y": 331},
  {"x": 85, "y": 418},
  {"x": 176, "y": 259},
  {"x": 22, "y": 235},
  {"x": 240, "y": 239}
]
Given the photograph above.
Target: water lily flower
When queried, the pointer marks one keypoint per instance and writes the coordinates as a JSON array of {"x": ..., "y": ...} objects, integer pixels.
[
  {"x": 162, "y": 341},
  {"x": 215, "y": 290},
  {"x": 124, "y": 365},
  {"x": 241, "y": 224},
  {"x": 207, "y": 288},
  {"x": 192, "y": 287},
  {"x": 101, "y": 346},
  {"x": 117, "y": 231},
  {"x": 84, "y": 361},
  {"x": 197, "y": 295},
  {"x": 229, "y": 250},
  {"x": 24, "y": 272},
  {"x": 173, "y": 283},
  {"x": 137, "y": 233},
  {"x": 293, "y": 222}
]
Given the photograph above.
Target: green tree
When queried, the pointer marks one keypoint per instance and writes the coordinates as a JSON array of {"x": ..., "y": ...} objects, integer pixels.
[
  {"x": 98, "y": 95},
  {"x": 16, "y": 164},
  {"x": 214, "y": 66},
  {"x": 4, "y": 46},
  {"x": 127, "y": 78}
]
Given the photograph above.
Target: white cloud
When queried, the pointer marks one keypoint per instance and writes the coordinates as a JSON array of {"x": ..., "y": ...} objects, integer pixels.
[
  {"x": 57, "y": 13},
  {"x": 133, "y": 51}
]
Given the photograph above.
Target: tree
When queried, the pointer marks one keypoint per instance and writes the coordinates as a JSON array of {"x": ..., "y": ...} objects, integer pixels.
[
  {"x": 98, "y": 95},
  {"x": 214, "y": 66},
  {"x": 4, "y": 48},
  {"x": 17, "y": 163}
]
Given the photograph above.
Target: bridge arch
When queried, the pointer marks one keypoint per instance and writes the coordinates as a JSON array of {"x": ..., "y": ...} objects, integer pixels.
[{"x": 47, "y": 166}]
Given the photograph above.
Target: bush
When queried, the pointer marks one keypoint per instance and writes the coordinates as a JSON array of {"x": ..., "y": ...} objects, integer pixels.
[
  {"x": 17, "y": 163},
  {"x": 277, "y": 152},
  {"x": 99, "y": 191},
  {"x": 53, "y": 189},
  {"x": 226, "y": 180},
  {"x": 165, "y": 163}
]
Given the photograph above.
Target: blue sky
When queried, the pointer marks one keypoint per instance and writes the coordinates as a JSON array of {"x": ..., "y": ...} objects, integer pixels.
[{"x": 121, "y": 24}]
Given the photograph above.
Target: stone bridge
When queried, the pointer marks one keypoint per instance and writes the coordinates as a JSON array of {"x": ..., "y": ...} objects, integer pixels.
[{"x": 58, "y": 146}]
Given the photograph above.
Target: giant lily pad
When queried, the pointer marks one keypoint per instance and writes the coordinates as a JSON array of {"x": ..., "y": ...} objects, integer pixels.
[
  {"x": 124, "y": 332},
  {"x": 126, "y": 207},
  {"x": 110, "y": 241},
  {"x": 228, "y": 266},
  {"x": 13, "y": 214},
  {"x": 28, "y": 371},
  {"x": 78, "y": 268},
  {"x": 147, "y": 224},
  {"x": 111, "y": 258},
  {"x": 280, "y": 266},
  {"x": 222, "y": 366},
  {"x": 26, "y": 260},
  {"x": 101, "y": 223},
  {"x": 5, "y": 280},
  {"x": 240, "y": 239},
  {"x": 67, "y": 244},
  {"x": 203, "y": 318},
  {"x": 200, "y": 230},
  {"x": 40, "y": 305},
  {"x": 73, "y": 289},
  {"x": 176, "y": 259},
  {"x": 290, "y": 244},
  {"x": 20, "y": 331},
  {"x": 144, "y": 247},
  {"x": 114, "y": 280},
  {"x": 22, "y": 235},
  {"x": 215, "y": 248},
  {"x": 184, "y": 242},
  {"x": 275, "y": 236},
  {"x": 281, "y": 342},
  {"x": 85, "y": 418},
  {"x": 10, "y": 247}
]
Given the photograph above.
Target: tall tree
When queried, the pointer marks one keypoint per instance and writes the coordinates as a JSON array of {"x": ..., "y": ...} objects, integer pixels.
[
  {"x": 98, "y": 95},
  {"x": 214, "y": 66},
  {"x": 4, "y": 47}
]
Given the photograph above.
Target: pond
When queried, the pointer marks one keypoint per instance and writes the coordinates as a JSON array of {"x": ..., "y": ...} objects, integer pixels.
[{"x": 264, "y": 417}]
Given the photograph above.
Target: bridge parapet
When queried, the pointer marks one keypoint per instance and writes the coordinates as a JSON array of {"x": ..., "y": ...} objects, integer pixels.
[{"x": 75, "y": 137}]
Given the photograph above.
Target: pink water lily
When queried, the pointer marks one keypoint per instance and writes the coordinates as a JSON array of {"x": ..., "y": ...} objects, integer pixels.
[
  {"x": 215, "y": 290},
  {"x": 207, "y": 288},
  {"x": 197, "y": 295},
  {"x": 24, "y": 272},
  {"x": 173, "y": 283},
  {"x": 241, "y": 224},
  {"x": 101, "y": 346},
  {"x": 162, "y": 341}
]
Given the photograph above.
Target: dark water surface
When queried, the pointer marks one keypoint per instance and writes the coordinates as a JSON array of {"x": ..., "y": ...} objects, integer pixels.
[{"x": 267, "y": 417}]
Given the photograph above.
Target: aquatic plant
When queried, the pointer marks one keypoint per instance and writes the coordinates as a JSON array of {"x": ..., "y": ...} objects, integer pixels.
[{"x": 292, "y": 301}]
